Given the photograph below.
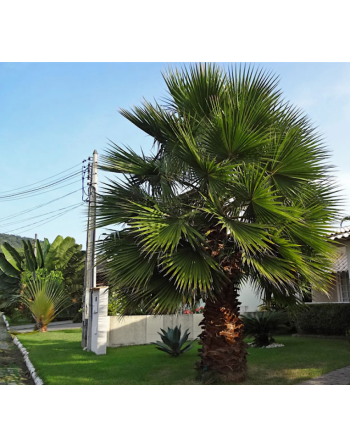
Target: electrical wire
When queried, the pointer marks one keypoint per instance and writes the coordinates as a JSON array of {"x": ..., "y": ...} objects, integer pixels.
[
  {"x": 40, "y": 181},
  {"x": 44, "y": 188},
  {"x": 39, "y": 193},
  {"x": 28, "y": 210},
  {"x": 35, "y": 217},
  {"x": 48, "y": 185},
  {"x": 44, "y": 221}
]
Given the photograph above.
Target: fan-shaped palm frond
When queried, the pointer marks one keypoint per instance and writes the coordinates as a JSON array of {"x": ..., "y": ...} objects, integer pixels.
[
  {"x": 239, "y": 187},
  {"x": 45, "y": 298}
]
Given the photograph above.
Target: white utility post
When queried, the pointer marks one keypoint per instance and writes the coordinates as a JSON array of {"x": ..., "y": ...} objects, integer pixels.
[
  {"x": 90, "y": 261},
  {"x": 100, "y": 320}
]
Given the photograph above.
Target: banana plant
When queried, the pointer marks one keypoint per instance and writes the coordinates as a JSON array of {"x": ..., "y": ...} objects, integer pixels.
[{"x": 56, "y": 256}]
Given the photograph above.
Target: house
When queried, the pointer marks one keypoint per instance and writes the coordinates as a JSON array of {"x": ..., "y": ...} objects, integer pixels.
[{"x": 340, "y": 290}]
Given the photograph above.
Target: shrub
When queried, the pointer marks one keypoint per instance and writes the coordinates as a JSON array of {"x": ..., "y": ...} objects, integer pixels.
[
  {"x": 347, "y": 335},
  {"x": 263, "y": 325},
  {"x": 173, "y": 341},
  {"x": 323, "y": 319},
  {"x": 78, "y": 316}
]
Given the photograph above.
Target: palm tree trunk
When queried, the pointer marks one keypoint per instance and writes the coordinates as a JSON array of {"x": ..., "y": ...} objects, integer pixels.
[
  {"x": 223, "y": 352},
  {"x": 41, "y": 326}
]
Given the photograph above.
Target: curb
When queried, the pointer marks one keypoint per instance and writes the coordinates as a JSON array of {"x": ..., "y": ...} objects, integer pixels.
[{"x": 25, "y": 354}]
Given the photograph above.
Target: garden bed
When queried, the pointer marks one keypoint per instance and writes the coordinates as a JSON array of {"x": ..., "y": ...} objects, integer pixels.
[{"x": 59, "y": 359}]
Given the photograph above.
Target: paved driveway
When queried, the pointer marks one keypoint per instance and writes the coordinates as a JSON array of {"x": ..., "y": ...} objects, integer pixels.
[{"x": 54, "y": 326}]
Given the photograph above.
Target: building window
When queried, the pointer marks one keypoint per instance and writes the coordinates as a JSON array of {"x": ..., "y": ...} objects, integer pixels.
[{"x": 344, "y": 287}]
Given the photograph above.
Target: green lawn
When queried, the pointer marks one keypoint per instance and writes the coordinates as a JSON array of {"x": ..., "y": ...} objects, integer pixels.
[{"x": 60, "y": 360}]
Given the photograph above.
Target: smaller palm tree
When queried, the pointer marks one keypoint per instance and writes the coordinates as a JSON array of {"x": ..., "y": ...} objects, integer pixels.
[
  {"x": 263, "y": 325},
  {"x": 45, "y": 298}
]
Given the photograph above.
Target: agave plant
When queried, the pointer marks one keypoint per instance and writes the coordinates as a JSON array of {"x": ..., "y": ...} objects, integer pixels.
[
  {"x": 262, "y": 325},
  {"x": 45, "y": 298},
  {"x": 173, "y": 341}
]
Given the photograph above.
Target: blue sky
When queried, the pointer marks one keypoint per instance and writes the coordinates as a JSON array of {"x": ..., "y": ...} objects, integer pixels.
[{"x": 53, "y": 115}]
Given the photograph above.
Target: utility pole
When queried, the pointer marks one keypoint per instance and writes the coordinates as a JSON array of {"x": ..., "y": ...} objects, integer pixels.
[
  {"x": 35, "y": 242},
  {"x": 90, "y": 259}
]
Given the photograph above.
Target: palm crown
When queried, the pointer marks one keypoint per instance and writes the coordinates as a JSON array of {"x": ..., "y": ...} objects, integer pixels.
[{"x": 236, "y": 174}]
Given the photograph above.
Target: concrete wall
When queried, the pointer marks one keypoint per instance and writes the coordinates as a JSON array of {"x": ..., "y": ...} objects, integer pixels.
[{"x": 142, "y": 329}]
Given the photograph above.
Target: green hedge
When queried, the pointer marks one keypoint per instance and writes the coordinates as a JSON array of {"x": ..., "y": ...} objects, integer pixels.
[{"x": 323, "y": 319}]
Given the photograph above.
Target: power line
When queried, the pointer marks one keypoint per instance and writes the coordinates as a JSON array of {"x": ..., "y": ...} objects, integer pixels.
[
  {"x": 40, "y": 181},
  {"x": 44, "y": 221},
  {"x": 28, "y": 210},
  {"x": 39, "y": 193},
  {"x": 38, "y": 215},
  {"x": 44, "y": 188},
  {"x": 48, "y": 185}
]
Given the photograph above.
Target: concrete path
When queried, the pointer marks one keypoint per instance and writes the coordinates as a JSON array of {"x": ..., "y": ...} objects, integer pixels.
[
  {"x": 54, "y": 326},
  {"x": 338, "y": 377},
  {"x": 13, "y": 370}
]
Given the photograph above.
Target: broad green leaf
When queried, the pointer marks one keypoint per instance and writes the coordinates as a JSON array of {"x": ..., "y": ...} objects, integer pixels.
[
  {"x": 12, "y": 256},
  {"x": 7, "y": 267}
]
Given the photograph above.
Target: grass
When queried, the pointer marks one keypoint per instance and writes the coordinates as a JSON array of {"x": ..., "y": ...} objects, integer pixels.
[{"x": 60, "y": 360}]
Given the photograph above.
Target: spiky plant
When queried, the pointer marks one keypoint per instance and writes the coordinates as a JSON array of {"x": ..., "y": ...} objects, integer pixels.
[
  {"x": 173, "y": 342},
  {"x": 45, "y": 298},
  {"x": 238, "y": 187},
  {"x": 263, "y": 325}
]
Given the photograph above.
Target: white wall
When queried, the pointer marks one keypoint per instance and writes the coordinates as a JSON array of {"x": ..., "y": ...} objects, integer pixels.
[{"x": 142, "y": 329}]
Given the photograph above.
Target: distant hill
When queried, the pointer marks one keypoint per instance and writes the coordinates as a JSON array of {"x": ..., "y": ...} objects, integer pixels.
[{"x": 15, "y": 241}]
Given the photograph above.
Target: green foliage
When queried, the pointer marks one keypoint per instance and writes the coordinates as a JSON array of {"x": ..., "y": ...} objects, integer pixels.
[
  {"x": 42, "y": 274},
  {"x": 45, "y": 298},
  {"x": 173, "y": 342},
  {"x": 236, "y": 170},
  {"x": 262, "y": 325},
  {"x": 323, "y": 319},
  {"x": 116, "y": 306},
  {"x": 347, "y": 333},
  {"x": 62, "y": 260},
  {"x": 113, "y": 309}
]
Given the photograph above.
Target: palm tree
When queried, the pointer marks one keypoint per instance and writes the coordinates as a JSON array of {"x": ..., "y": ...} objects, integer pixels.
[
  {"x": 238, "y": 187},
  {"x": 45, "y": 298}
]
